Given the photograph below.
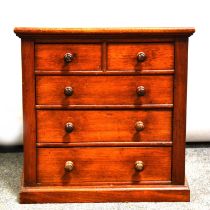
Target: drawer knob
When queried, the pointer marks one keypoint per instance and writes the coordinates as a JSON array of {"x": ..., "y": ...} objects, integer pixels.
[
  {"x": 140, "y": 90},
  {"x": 139, "y": 126},
  {"x": 141, "y": 56},
  {"x": 68, "y": 57},
  {"x": 139, "y": 165},
  {"x": 69, "y": 165},
  {"x": 69, "y": 127},
  {"x": 68, "y": 91}
]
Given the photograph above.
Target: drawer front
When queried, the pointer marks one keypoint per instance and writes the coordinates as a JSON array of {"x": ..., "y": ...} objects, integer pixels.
[
  {"x": 104, "y": 90},
  {"x": 159, "y": 56},
  {"x": 51, "y": 57},
  {"x": 103, "y": 125},
  {"x": 102, "y": 165}
]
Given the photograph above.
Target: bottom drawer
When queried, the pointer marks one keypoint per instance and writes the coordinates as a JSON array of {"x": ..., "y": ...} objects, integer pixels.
[
  {"x": 80, "y": 166},
  {"x": 95, "y": 165}
]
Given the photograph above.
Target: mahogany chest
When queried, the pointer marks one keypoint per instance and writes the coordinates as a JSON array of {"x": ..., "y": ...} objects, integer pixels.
[{"x": 104, "y": 114}]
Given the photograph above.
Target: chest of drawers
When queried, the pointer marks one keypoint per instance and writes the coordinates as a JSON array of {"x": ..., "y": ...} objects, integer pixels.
[{"x": 104, "y": 114}]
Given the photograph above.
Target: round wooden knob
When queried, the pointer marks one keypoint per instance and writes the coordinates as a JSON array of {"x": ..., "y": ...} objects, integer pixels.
[
  {"x": 69, "y": 127},
  {"x": 68, "y": 57},
  {"x": 69, "y": 165},
  {"x": 68, "y": 91},
  {"x": 140, "y": 90},
  {"x": 141, "y": 56},
  {"x": 139, "y": 165},
  {"x": 139, "y": 126}
]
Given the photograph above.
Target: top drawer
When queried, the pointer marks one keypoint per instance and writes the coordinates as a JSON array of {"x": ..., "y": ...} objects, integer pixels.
[
  {"x": 67, "y": 57},
  {"x": 154, "y": 56}
]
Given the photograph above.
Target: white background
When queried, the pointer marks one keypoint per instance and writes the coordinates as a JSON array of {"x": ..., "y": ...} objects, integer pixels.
[{"x": 89, "y": 13}]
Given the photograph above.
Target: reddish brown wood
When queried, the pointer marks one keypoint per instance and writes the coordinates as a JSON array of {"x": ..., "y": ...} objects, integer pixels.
[
  {"x": 104, "y": 145},
  {"x": 98, "y": 39},
  {"x": 107, "y": 144},
  {"x": 29, "y": 121},
  {"x": 104, "y": 56},
  {"x": 103, "y": 126},
  {"x": 124, "y": 56},
  {"x": 100, "y": 107},
  {"x": 103, "y": 90},
  {"x": 96, "y": 165},
  {"x": 119, "y": 193},
  {"x": 51, "y": 57},
  {"x": 179, "y": 119},
  {"x": 96, "y": 32},
  {"x": 107, "y": 72}
]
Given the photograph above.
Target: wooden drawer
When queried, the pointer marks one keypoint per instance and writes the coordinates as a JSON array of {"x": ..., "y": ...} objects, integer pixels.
[
  {"x": 104, "y": 90},
  {"x": 104, "y": 125},
  {"x": 103, "y": 165},
  {"x": 159, "y": 56},
  {"x": 51, "y": 57}
]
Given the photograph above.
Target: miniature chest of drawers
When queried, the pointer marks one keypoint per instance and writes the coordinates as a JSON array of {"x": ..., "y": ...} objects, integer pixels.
[{"x": 104, "y": 114}]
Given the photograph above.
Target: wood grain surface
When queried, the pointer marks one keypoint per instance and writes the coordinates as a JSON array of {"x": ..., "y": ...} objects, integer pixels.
[
  {"x": 109, "y": 165},
  {"x": 103, "y": 125},
  {"x": 29, "y": 113},
  {"x": 96, "y": 32},
  {"x": 104, "y": 109},
  {"x": 124, "y": 56},
  {"x": 51, "y": 57},
  {"x": 179, "y": 119},
  {"x": 104, "y": 90},
  {"x": 110, "y": 193},
  {"x": 106, "y": 144}
]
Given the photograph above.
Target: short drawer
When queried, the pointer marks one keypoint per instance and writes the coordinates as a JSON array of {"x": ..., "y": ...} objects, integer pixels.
[
  {"x": 67, "y": 57},
  {"x": 145, "y": 56},
  {"x": 103, "y": 125},
  {"x": 104, "y": 90},
  {"x": 95, "y": 165}
]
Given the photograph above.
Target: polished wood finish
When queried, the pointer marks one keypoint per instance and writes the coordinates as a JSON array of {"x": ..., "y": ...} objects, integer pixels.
[
  {"x": 101, "y": 107},
  {"x": 179, "y": 120},
  {"x": 114, "y": 193},
  {"x": 96, "y": 165},
  {"x": 68, "y": 57},
  {"x": 102, "y": 90},
  {"x": 51, "y": 57},
  {"x": 104, "y": 126},
  {"x": 140, "y": 90},
  {"x": 124, "y": 72},
  {"x": 24, "y": 32},
  {"x": 139, "y": 165},
  {"x": 104, "y": 114},
  {"x": 68, "y": 91},
  {"x": 69, "y": 127},
  {"x": 141, "y": 56},
  {"x": 103, "y": 39},
  {"x": 106, "y": 144},
  {"x": 124, "y": 56},
  {"x": 29, "y": 118},
  {"x": 69, "y": 166},
  {"x": 139, "y": 126}
]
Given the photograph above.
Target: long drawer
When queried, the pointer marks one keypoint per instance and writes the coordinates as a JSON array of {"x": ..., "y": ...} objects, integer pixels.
[
  {"x": 81, "y": 166},
  {"x": 103, "y": 125},
  {"x": 104, "y": 90}
]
